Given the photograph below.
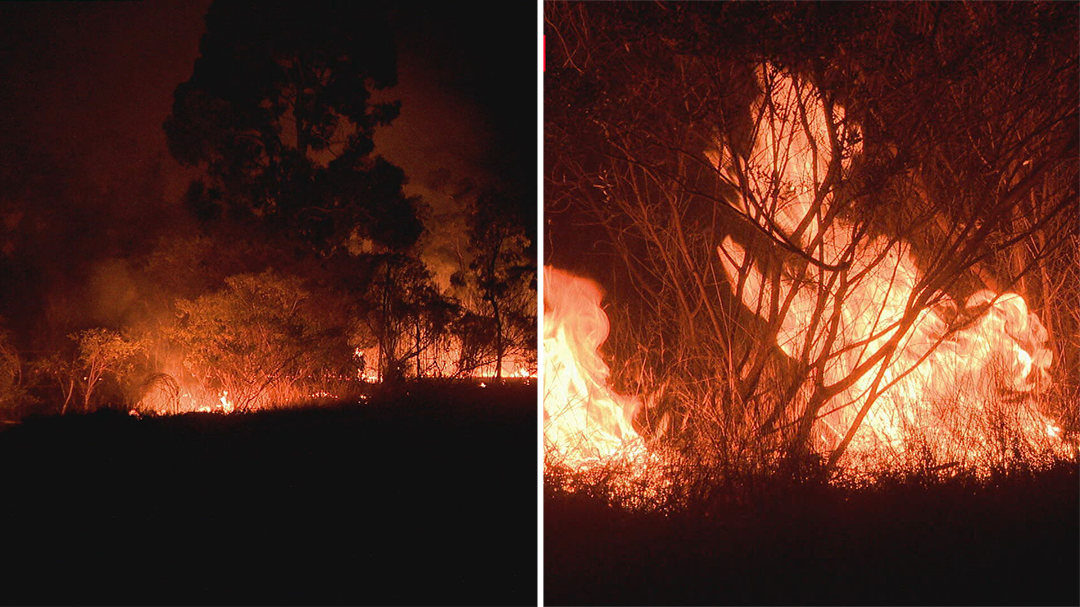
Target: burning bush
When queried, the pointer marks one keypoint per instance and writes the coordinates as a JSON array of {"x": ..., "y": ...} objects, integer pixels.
[
  {"x": 838, "y": 244},
  {"x": 259, "y": 343}
]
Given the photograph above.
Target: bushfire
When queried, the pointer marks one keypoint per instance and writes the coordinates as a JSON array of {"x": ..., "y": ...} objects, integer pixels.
[
  {"x": 584, "y": 420},
  {"x": 176, "y": 390},
  {"x": 897, "y": 368}
]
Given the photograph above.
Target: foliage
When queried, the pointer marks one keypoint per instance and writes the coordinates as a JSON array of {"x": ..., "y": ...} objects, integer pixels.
[
  {"x": 260, "y": 340},
  {"x": 503, "y": 273},
  {"x": 12, "y": 389},
  {"x": 279, "y": 111},
  {"x": 406, "y": 316},
  {"x": 99, "y": 361},
  {"x": 103, "y": 352}
]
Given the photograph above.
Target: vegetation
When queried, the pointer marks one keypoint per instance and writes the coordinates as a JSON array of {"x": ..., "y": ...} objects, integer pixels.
[
  {"x": 939, "y": 133},
  {"x": 905, "y": 541},
  {"x": 260, "y": 341},
  {"x": 295, "y": 267},
  {"x": 751, "y": 181}
]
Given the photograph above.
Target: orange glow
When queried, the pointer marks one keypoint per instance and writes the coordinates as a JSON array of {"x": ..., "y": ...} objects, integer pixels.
[
  {"x": 912, "y": 380},
  {"x": 584, "y": 420},
  {"x": 943, "y": 386},
  {"x": 176, "y": 390},
  {"x": 226, "y": 405}
]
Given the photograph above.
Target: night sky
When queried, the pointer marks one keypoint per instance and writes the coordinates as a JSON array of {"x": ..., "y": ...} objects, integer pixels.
[{"x": 85, "y": 88}]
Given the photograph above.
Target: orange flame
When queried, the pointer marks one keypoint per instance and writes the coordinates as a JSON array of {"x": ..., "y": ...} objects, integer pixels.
[
  {"x": 942, "y": 386},
  {"x": 584, "y": 420},
  {"x": 961, "y": 392},
  {"x": 226, "y": 405}
]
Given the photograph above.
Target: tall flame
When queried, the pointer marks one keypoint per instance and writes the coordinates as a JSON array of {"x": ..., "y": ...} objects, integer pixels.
[
  {"x": 944, "y": 386},
  {"x": 584, "y": 420},
  {"x": 960, "y": 390}
]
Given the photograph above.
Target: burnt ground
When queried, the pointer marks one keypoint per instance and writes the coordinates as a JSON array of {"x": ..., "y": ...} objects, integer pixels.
[
  {"x": 1014, "y": 541},
  {"x": 429, "y": 497}
]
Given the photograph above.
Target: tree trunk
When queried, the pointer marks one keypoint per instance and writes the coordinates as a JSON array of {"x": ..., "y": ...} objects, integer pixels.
[
  {"x": 68, "y": 393},
  {"x": 417, "y": 325},
  {"x": 498, "y": 339}
]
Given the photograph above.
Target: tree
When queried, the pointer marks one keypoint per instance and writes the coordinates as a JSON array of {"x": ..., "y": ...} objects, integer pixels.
[
  {"x": 60, "y": 369},
  {"x": 503, "y": 273},
  {"x": 279, "y": 112},
  {"x": 12, "y": 391},
  {"x": 406, "y": 316},
  {"x": 101, "y": 353},
  {"x": 261, "y": 340}
]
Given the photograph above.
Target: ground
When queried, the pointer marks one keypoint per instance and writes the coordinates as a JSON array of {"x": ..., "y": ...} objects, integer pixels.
[
  {"x": 1015, "y": 541},
  {"x": 427, "y": 497}
]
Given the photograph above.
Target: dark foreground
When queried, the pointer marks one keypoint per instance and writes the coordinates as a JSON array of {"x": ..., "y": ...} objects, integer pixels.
[
  {"x": 1016, "y": 542},
  {"x": 428, "y": 498}
]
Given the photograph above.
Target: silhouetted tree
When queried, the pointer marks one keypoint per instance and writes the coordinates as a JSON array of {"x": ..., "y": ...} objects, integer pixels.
[
  {"x": 278, "y": 110},
  {"x": 503, "y": 272},
  {"x": 405, "y": 314}
]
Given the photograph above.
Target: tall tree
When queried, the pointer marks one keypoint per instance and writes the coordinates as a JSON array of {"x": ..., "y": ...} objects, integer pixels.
[
  {"x": 279, "y": 112},
  {"x": 505, "y": 274}
]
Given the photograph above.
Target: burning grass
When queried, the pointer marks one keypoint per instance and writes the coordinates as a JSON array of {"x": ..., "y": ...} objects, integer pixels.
[
  {"x": 821, "y": 327},
  {"x": 839, "y": 248},
  {"x": 962, "y": 503},
  {"x": 968, "y": 505}
]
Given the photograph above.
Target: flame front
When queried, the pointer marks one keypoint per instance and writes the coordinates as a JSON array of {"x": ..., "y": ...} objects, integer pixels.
[
  {"x": 901, "y": 373},
  {"x": 584, "y": 420},
  {"x": 957, "y": 390}
]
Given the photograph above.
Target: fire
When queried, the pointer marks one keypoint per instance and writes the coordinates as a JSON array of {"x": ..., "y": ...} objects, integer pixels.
[
  {"x": 901, "y": 370},
  {"x": 947, "y": 385},
  {"x": 584, "y": 420},
  {"x": 176, "y": 389},
  {"x": 446, "y": 361},
  {"x": 226, "y": 405}
]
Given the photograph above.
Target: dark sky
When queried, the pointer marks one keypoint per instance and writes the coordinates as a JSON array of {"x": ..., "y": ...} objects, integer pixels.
[
  {"x": 96, "y": 79},
  {"x": 91, "y": 83},
  {"x": 87, "y": 86}
]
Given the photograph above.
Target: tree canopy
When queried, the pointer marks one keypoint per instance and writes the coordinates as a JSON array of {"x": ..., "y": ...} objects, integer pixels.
[{"x": 279, "y": 111}]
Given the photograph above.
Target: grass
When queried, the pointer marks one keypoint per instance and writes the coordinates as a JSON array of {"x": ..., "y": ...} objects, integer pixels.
[
  {"x": 1010, "y": 539},
  {"x": 423, "y": 497}
]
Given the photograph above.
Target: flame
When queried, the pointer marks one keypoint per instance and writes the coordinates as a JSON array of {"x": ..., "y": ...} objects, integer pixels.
[
  {"x": 226, "y": 405},
  {"x": 445, "y": 361},
  {"x": 942, "y": 384},
  {"x": 584, "y": 420},
  {"x": 175, "y": 389},
  {"x": 958, "y": 390}
]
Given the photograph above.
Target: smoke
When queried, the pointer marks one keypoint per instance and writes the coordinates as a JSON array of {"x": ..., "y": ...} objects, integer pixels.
[
  {"x": 467, "y": 122},
  {"x": 88, "y": 191}
]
